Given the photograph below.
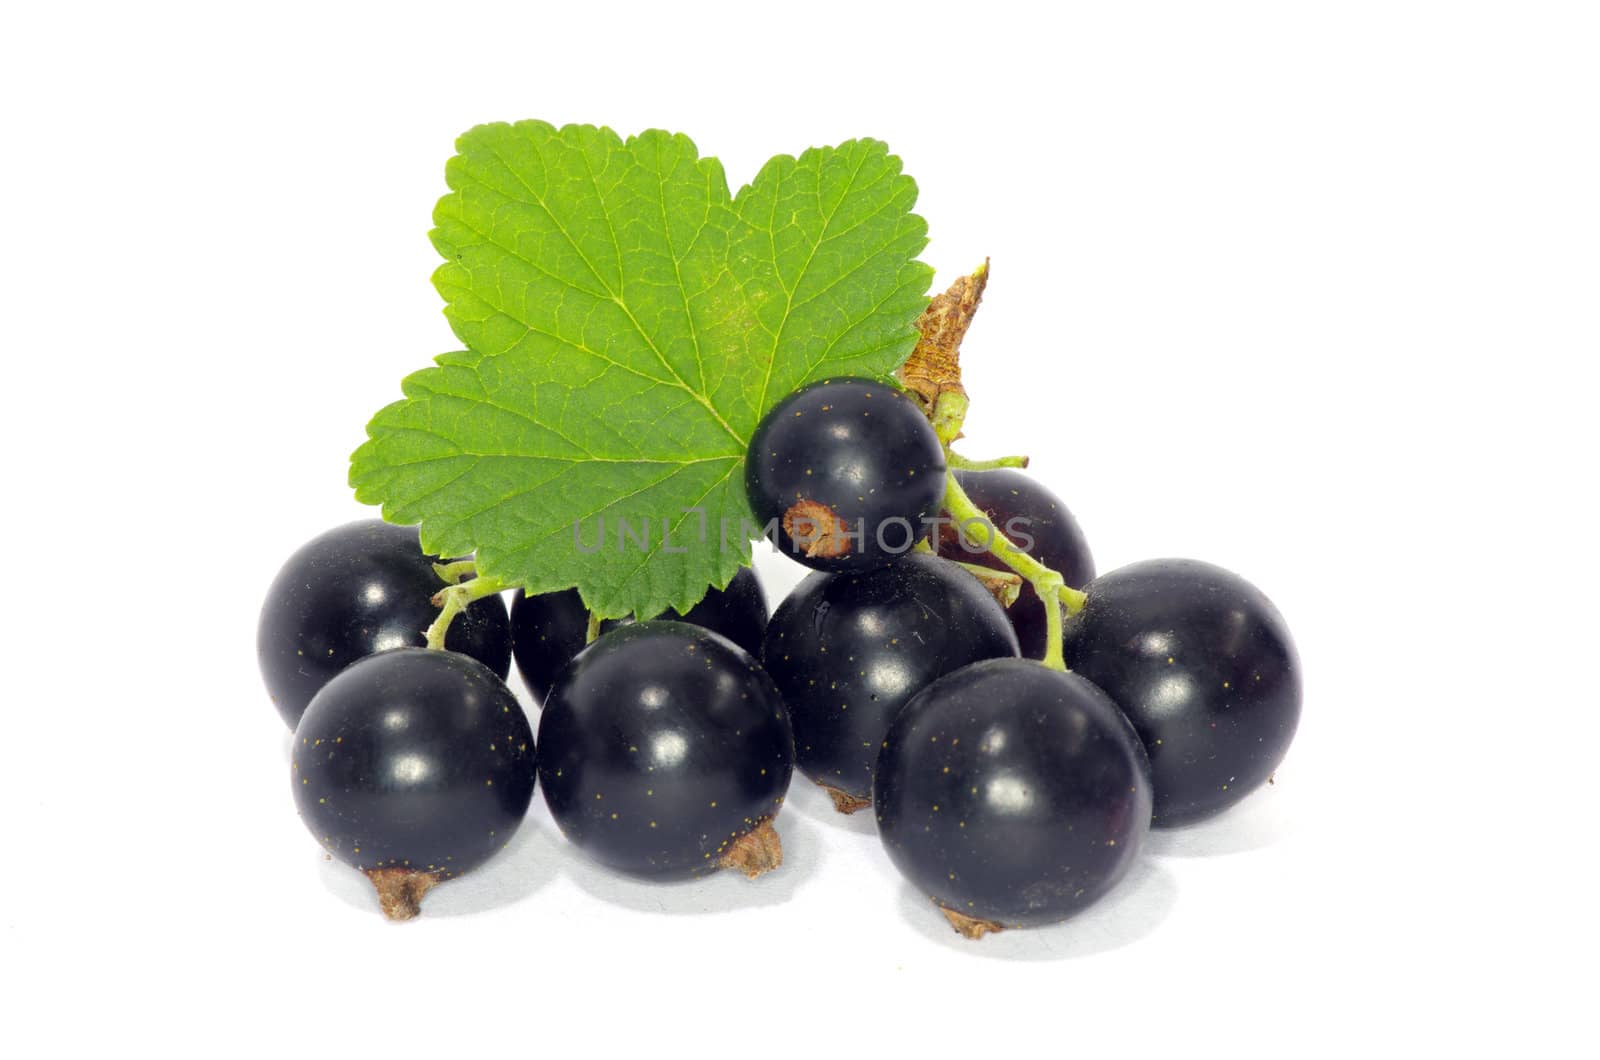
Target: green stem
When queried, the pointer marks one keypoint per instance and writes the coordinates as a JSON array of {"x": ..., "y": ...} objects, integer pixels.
[
  {"x": 1047, "y": 583},
  {"x": 594, "y": 629},
  {"x": 957, "y": 462},
  {"x": 453, "y": 600},
  {"x": 451, "y": 573},
  {"x": 949, "y": 412}
]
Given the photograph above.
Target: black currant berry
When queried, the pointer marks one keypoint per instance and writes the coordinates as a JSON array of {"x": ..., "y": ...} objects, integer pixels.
[
  {"x": 549, "y": 629},
  {"x": 414, "y": 766},
  {"x": 845, "y": 471},
  {"x": 1022, "y": 509},
  {"x": 1012, "y": 795},
  {"x": 738, "y": 612},
  {"x": 665, "y": 752},
  {"x": 1202, "y": 663},
  {"x": 848, "y": 650},
  {"x": 356, "y": 590}
]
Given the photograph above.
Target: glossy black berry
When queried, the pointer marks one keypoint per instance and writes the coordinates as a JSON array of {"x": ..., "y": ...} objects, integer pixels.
[
  {"x": 356, "y": 590},
  {"x": 1012, "y": 795},
  {"x": 413, "y": 766},
  {"x": 665, "y": 752},
  {"x": 547, "y": 630},
  {"x": 738, "y": 612},
  {"x": 1039, "y": 523},
  {"x": 848, "y": 650},
  {"x": 845, "y": 471},
  {"x": 1203, "y": 665}
]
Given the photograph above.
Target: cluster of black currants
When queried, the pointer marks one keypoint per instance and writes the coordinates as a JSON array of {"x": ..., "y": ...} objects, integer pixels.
[
  {"x": 1010, "y": 789},
  {"x": 910, "y": 672},
  {"x": 663, "y": 749}
]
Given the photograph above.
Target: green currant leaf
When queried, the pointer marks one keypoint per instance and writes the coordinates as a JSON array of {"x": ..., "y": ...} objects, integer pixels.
[{"x": 627, "y": 322}]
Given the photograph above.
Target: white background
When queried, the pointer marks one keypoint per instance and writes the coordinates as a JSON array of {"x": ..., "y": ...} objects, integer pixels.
[{"x": 1306, "y": 290}]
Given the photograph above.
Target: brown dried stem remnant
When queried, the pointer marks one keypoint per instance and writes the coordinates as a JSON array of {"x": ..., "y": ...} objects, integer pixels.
[
  {"x": 817, "y": 528},
  {"x": 845, "y": 802},
  {"x": 400, "y": 891},
  {"x": 934, "y": 367},
  {"x": 1004, "y": 586},
  {"x": 969, "y": 927},
  {"x": 755, "y": 852}
]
